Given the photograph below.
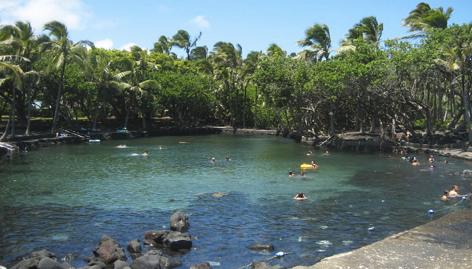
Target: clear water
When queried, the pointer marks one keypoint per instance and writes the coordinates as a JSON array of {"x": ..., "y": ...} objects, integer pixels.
[{"x": 64, "y": 198}]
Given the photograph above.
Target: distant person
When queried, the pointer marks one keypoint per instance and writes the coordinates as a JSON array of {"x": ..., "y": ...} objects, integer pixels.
[
  {"x": 302, "y": 173},
  {"x": 145, "y": 153},
  {"x": 121, "y": 146},
  {"x": 326, "y": 153},
  {"x": 453, "y": 192},
  {"x": 227, "y": 158},
  {"x": 431, "y": 159},
  {"x": 315, "y": 165},
  {"x": 446, "y": 161},
  {"x": 213, "y": 160},
  {"x": 291, "y": 174},
  {"x": 300, "y": 196},
  {"x": 414, "y": 161},
  {"x": 445, "y": 196},
  {"x": 309, "y": 153}
]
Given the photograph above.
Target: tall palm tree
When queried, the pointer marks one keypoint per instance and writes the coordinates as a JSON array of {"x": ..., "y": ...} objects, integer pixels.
[
  {"x": 369, "y": 29},
  {"x": 318, "y": 39},
  {"x": 423, "y": 18},
  {"x": 64, "y": 52},
  {"x": 11, "y": 76},
  {"x": 183, "y": 40},
  {"x": 22, "y": 42},
  {"x": 163, "y": 45}
]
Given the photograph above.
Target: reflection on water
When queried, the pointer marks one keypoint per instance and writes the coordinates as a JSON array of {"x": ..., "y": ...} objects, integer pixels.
[{"x": 64, "y": 198}]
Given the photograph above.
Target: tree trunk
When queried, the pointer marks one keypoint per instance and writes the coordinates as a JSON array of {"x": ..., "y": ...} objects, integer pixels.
[
  {"x": 13, "y": 113},
  {"x": 466, "y": 101},
  {"x": 28, "y": 113},
  {"x": 58, "y": 97},
  {"x": 5, "y": 132}
]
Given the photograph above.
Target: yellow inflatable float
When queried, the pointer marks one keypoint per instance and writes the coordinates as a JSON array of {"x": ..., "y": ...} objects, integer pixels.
[{"x": 307, "y": 166}]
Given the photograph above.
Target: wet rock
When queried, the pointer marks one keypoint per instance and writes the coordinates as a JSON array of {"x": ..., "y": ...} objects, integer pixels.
[
  {"x": 97, "y": 263},
  {"x": 178, "y": 241},
  {"x": 263, "y": 265},
  {"x": 261, "y": 247},
  {"x": 467, "y": 173},
  {"x": 179, "y": 222},
  {"x": 43, "y": 253},
  {"x": 205, "y": 265},
  {"x": 31, "y": 263},
  {"x": 119, "y": 264},
  {"x": 108, "y": 250},
  {"x": 48, "y": 263},
  {"x": 155, "y": 238},
  {"x": 134, "y": 248},
  {"x": 155, "y": 260}
]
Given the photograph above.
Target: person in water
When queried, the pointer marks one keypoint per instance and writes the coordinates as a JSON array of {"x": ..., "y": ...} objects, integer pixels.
[
  {"x": 445, "y": 196},
  {"x": 315, "y": 165},
  {"x": 291, "y": 174},
  {"x": 300, "y": 196},
  {"x": 414, "y": 161},
  {"x": 228, "y": 158},
  {"x": 431, "y": 159},
  {"x": 145, "y": 153},
  {"x": 309, "y": 153},
  {"x": 453, "y": 192},
  {"x": 326, "y": 153}
]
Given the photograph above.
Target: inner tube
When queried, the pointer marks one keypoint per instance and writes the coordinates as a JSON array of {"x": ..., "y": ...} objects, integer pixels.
[{"x": 306, "y": 166}]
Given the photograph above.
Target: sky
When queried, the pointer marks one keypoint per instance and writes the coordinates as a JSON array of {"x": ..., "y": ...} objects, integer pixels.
[{"x": 252, "y": 24}]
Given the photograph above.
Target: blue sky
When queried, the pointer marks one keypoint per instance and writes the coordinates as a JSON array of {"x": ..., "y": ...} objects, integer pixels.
[{"x": 253, "y": 24}]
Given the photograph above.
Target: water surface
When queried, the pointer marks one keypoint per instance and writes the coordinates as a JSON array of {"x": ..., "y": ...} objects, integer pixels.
[{"x": 65, "y": 197}]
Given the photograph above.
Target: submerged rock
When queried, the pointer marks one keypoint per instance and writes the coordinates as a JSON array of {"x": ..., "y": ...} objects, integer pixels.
[
  {"x": 109, "y": 251},
  {"x": 179, "y": 222},
  {"x": 261, "y": 247},
  {"x": 205, "y": 265},
  {"x": 263, "y": 265},
  {"x": 218, "y": 194}
]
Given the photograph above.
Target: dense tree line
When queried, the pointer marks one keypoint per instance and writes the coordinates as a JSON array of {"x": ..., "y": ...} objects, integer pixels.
[{"x": 421, "y": 82}]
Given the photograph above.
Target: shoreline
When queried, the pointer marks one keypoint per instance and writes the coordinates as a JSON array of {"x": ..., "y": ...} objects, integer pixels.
[{"x": 442, "y": 243}]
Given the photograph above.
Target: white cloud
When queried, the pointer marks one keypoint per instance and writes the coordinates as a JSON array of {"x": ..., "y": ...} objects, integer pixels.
[
  {"x": 128, "y": 46},
  {"x": 106, "y": 43},
  {"x": 39, "y": 12},
  {"x": 201, "y": 22}
]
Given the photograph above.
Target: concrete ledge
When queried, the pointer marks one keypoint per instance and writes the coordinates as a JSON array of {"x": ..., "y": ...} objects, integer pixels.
[{"x": 443, "y": 243}]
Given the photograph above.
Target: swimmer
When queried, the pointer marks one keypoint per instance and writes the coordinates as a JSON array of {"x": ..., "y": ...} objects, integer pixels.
[
  {"x": 453, "y": 192},
  {"x": 291, "y": 174},
  {"x": 145, "y": 153},
  {"x": 213, "y": 160},
  {"x": 227, "y": 158},
  {"x": 121, "y": 146},
  {"x": 326, "y": 153},
  {"x": 309, "y": 153},
  {"x": 414, "y": 161},
  {"x": 314, "y": 164},
  {"x": 445, "y": 197},
  {"x": 446, "y": 161},
  {"x": 431, "y": 159},
  {"x": 300, "y": 196},
  {"x": 302, "y": 173}
]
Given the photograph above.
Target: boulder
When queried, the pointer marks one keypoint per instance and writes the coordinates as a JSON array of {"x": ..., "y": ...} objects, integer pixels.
[
  {"x": 155, "y": 260},
  {"x": 134, "y": 248},
  {"x": 109, "y": 251},
  {"x": 48, "y": 263},
  {"x": 119, "y": 264},
  {"x": 155, "y": 238},
  {"x": 30, "y": 263},
  {"x": 179, "y": 222},
  {"x": 261, "y": 247},
  {"x": 43, "y": 253},
  {"x": 205, "y": 265},
  {"x": 467, "y": 173},
  {"x": 97, "y": 263},
  {"x": 178, "y": 241}
]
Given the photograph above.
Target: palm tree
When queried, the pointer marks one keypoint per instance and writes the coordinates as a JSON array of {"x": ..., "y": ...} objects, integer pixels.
[
  {"x": 64, "y": 51},
  {"x": 163, "y": 45},
  {"x": 369, "y": 29},
  {"x": 318, "y": 39},
  {"x": 135, "y": 87},
  {"x": 183, "y": 40},
  {"x": 12, "y": 75},
  {"x": 424, "y": 18},
  {"x": 22, "y": 42}
]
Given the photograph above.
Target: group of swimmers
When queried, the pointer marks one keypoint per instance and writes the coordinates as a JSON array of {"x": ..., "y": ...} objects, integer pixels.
[
  {"x": 453, "y": 192},
  {"x": 301, "y": 196},
  {"x": 213, "y": 159}
]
